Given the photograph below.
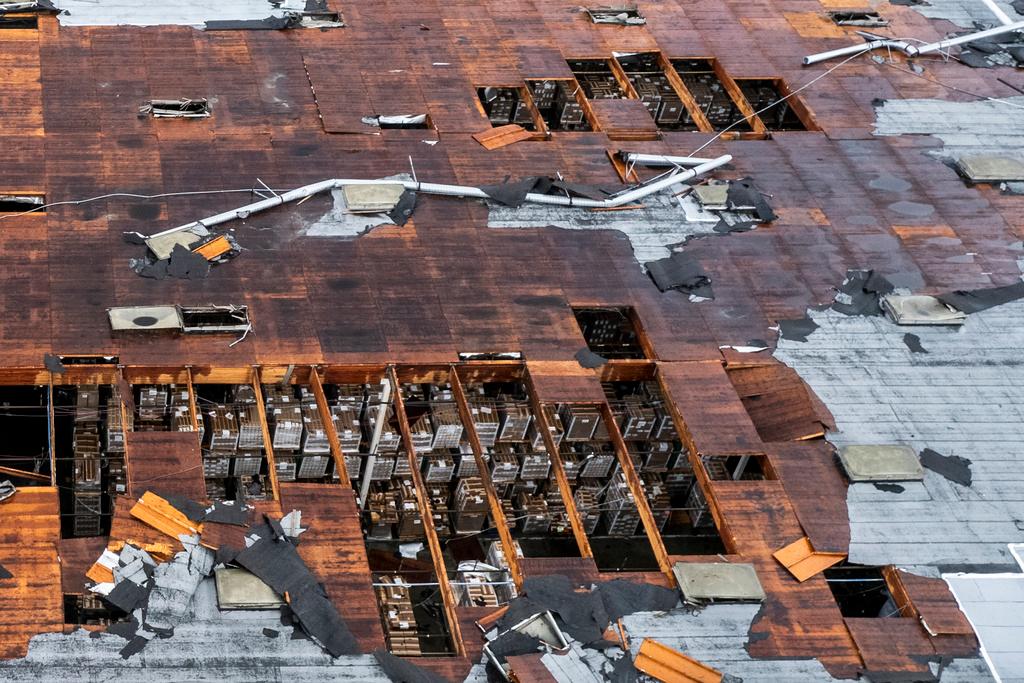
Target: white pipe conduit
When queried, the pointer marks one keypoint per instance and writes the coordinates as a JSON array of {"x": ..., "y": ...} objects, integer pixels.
[
  {"x": 1008, "y": 26},
  {"x": 652, "y": 160},
  {"x": 621, "y": 199}
]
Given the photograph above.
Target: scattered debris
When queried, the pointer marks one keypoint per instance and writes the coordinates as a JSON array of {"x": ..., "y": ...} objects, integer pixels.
[
  {"x": 7, "y": 490},
  {"x": 797, "y": 330},
  {"x": 623, "y": 16},
  {"x": 952, "y": 467},
  {"x": 681, "y": 272},
  {"x": 186, "y": 254},
  {"x": 913, "y": 343},
  {"x": 861, "y": 293},
  {"x": 271, "y": 633}
]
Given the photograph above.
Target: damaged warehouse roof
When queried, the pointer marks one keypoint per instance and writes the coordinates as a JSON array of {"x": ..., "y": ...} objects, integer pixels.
[{"x": 511, "y": 341}]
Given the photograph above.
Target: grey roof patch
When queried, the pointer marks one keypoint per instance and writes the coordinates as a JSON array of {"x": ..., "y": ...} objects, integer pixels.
[
  {"x": 709, "y": 581},
  {"x": 965, "y": 397},
  {"x": 652, "y": 230},
  {"x": 195, "y": 13},
  {"x": 966, "y": 129},
  {"x": 888, "y": 462}
]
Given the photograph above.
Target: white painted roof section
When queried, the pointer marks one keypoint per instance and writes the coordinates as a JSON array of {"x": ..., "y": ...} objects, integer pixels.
[
  {"x": 166, "y": 12},
  {"x": 965, "y": 397},
  {"x": 994, "y": 604}
]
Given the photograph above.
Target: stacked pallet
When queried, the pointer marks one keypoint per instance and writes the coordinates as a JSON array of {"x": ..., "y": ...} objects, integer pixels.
[
  {"x": 621, "y": 514},
  {"x": 580, "y": 421},
  {"x": 515, "y": 419},
  {"x": 447, "y": 426},
  {"x": 470, "y": 505},
  {"x": 555, "y": 428},
  {"x": 399, "y": 620},
  {"x": 588, "y": 505},
  {"x": 484, "y": 412}
]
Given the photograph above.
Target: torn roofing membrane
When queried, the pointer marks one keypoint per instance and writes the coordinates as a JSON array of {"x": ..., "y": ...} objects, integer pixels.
[{"x": 959, "y": 400}]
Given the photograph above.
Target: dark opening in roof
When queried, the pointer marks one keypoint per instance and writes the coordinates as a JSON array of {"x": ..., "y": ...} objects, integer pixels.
[
  {"x": 610, "y": 332},
  {"x": 861, "y": 591}
]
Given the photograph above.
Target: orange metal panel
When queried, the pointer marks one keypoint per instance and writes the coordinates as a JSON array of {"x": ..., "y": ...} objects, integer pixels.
[
  {"x": 672, "y": 666},
  {"x": 803, "y": 562},
  {"x": 495, "y": 138},
  {"x": 214, "y": 248}
]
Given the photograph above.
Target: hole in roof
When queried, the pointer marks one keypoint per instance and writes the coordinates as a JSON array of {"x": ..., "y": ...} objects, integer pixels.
[
  {"x": 861, "y": 591},
  {"x": 857, "y": 18},
  {"x": 177, "y": 109},
  {"x": 16, "y": 22},
  {"x": 16, "y": 203}
]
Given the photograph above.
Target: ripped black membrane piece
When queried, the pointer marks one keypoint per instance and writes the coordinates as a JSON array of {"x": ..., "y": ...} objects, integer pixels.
[
  {"x": 53, "y": 364},
  {"x": 797, "y": 330},
  {"x": 890, "y": 488},
  {"x": 402, "y": 211},
  {"x": 913, "y": 343},
  {"x": 513, "y": 193},
  {"x": 269, "y": 24},
  {"x": 588, "y": 359},
  {"x": 5, "y": 573},
  {"x": 277, "y": 563},
  {"x": 952, "y": 467},
  {"x": 865, "y": 289},
  {"x": 974, "y": 300},
  {"x": 681, "y": 272},
  {"x": 744, "y": 193}
]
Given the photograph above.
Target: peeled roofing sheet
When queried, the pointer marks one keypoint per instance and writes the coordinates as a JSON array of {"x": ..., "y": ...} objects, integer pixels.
[
  {"x": 994, "y": 604},
  {"x": 965, "y": 397},
  {"x": 170, "y": 12}
]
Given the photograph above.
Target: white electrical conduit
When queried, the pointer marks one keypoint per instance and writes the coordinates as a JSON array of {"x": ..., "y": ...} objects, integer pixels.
[
  {"x": 1002, "y": 16},
  {"x": 621, "y": 199},
  {"x": 960, "y": 40},
  {"x": 912, "y": 50},
  {"x": 660, "y": 160}
]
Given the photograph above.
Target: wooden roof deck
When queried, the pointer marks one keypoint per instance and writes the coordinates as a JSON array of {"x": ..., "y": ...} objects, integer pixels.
[{"x": 444, "y": 282}]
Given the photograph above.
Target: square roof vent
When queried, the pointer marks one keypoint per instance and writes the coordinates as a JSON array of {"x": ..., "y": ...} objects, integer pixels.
[
  {"x": 920, "y": 310},
  {"x": 702, "y": 582},
  {"x": 990, "y": 168},
  {"x": 144, "y": 318},
  {"x": 887, "y": 462},
  {"x": 240, "y": 589}
]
